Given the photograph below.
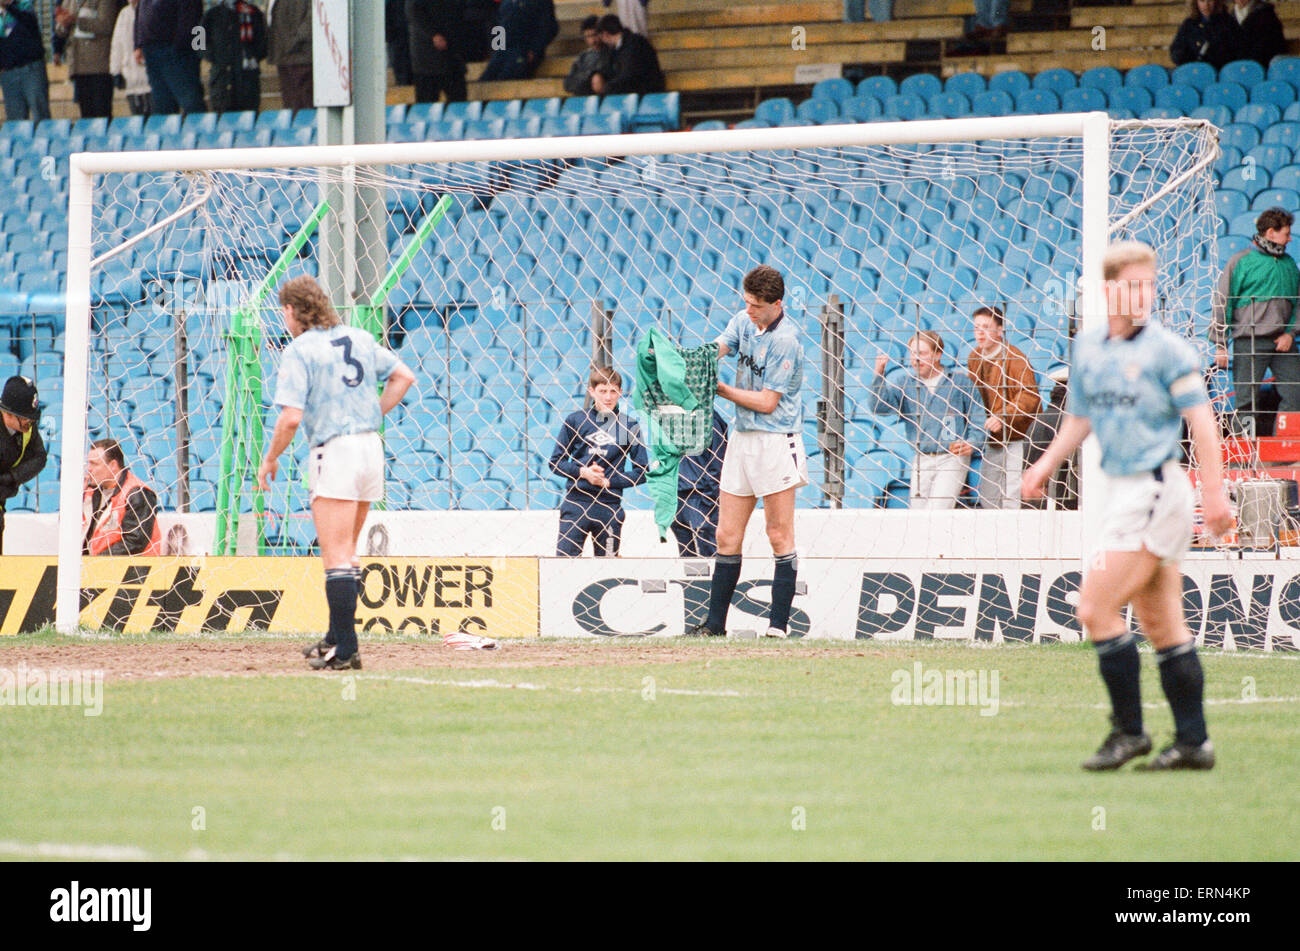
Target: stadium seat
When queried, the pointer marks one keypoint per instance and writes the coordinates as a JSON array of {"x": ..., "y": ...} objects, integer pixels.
[
  {"x": 607, "y": 123},
  {"x": 1283, "y": 133},
  {"x": 1133, "y": 98},
  {"x": 1198, "y": 75},
  {"x": 1276, "y": 91},
  {"x": 1227, "y": 94},
  {"x": 993, "y": 102},
  {"x": 1259, "y": 114},
  {"x": 466, "y": 111},
  {"x": 836, "y": 89},
  {"x": 501, "y": 109},
  {"x": 949, "y": 105},
  {"x": 904, "y": 107},
  {"x": 1245, "y": 72},
  {"x": 820, "y": 111},
  {"x": 969, "y": 85},
  {"x": 1286, "y": 68},
  {"x": 1270, "y": 157},
  {"x": 580, "y": 106},
  {"x": 163, "y": 125},
  {"x": 1085, "y": 98},
  {"x": 1104, "y": 78},
  {"x": 1181, "y": 97},
  {"x": 860, "y": 109},
  {"x": 1157, "y": 113},
  {"x": 1038, "y": 101},
  {"x": 1276, "y": 198},
  {"x": 661, "y": 111},
  {"x": 923, "y": 85},
  {"x": 424, "y": 112},
  {"x": 1250, "y": 180},
  {"x": 882, "y": 87},
  {"x": 1243, "y": 223},
  {"x": 1239, "y": 136},
  {"x": 1150, "y": 77},
  {"x": 541, "y": 108},
  {"x": 1220, "y": 115},
  {"x": 1230, "y": 203},
  {"x": 1055, "y": 80},
  {"x": 1012, "y": 82},
  {"x": 561, "y": 125},
  {"x": 233, "y": 121},
  {"x": 1287, "y": 177},
  {"x": 775, "y": 112},
  {"x": 306, "y": 118}
]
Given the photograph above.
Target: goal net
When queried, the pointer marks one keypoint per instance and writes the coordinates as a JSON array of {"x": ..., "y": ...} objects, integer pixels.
[{"x": 501, "y": 272}]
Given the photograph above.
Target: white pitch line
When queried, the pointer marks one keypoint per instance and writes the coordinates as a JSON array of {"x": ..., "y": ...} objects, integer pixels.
[
  {"x": 524, "y": 685},
  {"x": 68, "y": 850}
]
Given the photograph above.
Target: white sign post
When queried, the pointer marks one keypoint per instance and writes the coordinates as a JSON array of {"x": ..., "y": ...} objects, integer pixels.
[{"x": 331, "y": 53}]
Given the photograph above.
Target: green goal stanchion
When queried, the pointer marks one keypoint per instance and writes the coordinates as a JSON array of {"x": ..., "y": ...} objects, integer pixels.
[{"x": 241, "y": 418}]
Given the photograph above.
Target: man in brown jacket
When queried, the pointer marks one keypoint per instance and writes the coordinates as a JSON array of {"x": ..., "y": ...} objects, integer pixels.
[
  {"x": 86, "y": 29},
  {"x": 1007, "y": 385},
  {"x": 289, "y": 35}
]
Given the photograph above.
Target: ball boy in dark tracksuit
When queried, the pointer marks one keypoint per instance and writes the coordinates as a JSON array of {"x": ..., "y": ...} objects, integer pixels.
[
  {"x": 698, "y": 478},
  {"x": 593, "y": 450}
]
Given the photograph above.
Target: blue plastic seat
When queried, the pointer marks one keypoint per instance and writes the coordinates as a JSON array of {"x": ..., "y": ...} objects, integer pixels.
[
  {"x": 1038, "y": 101},
  {"x": 820, "y": 111},
  {"x": 1250, "y": 180},
  {"x": 993, "y": 102},
  {"x": 625, "y": 104},
  {"x": 501, "y": 109},
  {"x": 1259, "y": 114},
  {"x": 1270, "y": 157},
  {"x": 1239, "y": 136},
  {"x": 1220, "y": 115},
  {"x": 234, "y": 121},
  {"x": 607, "y": 123},
  {"x": 1276, "y": 91},
  {"x": 1056, "y": 80},
  {"x": 541, "y": 108},
  {"x": 1104, "y": 78},
  {"x": 1157, "y": 113},
  {"x": 661, "y": 111},
  {"x": 836, "y": 89},
  {"x": 466, "y": 111},
  {"x": 1012, "y": 82},
  {"x": 1198, "y": 75},
  {"x": 1286, "y": 68},
  {"x": 775, "y": 111},
  {"x": 1133, "y": 98},
  {"x": 1245, "y": 72},
  {"x": 1283, "y": 133},
  {"x": 1150, "y": 77},
  {"x": 1287, "y": 177},
  {"x": 1085, "y": 98},
  {"x": 163, "y": 125},
  {"x": 949, "y": 105},
  {"x": 882, "y": 87},
  {"x": 969, "y": 85},
  {"x": 1185, "y": 99},
  {"x": 923, "y": 85},
  {"x": 1230, "y": 203},
  {"x": 904, "y": 107},
  {"x": 1276, "y": 198},
  {"x": 859, "y": 109},
  {"x": 1232, "y": 95},
  {"x": 424, "y": 112},
  {"x": 1243, "y": 223}
]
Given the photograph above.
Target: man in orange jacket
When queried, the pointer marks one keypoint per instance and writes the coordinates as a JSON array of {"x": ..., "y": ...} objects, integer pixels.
[
  {"x": 119, "y": 512},
  {"x": 1009, "y": 388}
]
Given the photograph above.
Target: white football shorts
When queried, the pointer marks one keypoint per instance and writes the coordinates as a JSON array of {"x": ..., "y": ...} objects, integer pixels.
[
  {"x": 762, "y": 464},
  {"x": 1146, "y": 511},
  {"x": 348, "y": 467}
]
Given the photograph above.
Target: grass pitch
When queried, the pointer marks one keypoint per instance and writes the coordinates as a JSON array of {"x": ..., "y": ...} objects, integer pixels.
[{"x": 659, "y": 750}]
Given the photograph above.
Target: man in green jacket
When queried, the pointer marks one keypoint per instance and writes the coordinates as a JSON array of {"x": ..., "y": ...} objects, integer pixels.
[{"x": 1256, "y": 303}]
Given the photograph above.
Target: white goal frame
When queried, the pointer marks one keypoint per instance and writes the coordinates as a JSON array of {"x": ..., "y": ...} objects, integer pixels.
[{"x": 1092, "y": 128}]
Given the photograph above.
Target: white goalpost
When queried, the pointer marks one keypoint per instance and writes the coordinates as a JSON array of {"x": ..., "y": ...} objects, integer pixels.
[{"x": 514, "y": 264}]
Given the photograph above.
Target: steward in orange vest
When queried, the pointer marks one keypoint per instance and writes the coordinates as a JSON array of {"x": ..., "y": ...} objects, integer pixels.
[{"x": 119, "y": 512}]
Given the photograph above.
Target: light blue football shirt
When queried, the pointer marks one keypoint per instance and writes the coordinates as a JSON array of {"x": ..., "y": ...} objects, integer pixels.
[
  {"x": 1133, "y": 391},
  {"x": 332, "y": 376},
  {"x": 767, "y": 360}
]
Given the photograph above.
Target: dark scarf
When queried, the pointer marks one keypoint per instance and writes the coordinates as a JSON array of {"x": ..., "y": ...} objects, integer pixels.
[{"x": 1269, "y": 247}]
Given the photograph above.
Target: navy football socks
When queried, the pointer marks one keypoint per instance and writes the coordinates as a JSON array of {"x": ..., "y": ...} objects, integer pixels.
[
  {"x": 726, "y": 573},
  {"x": 341, "y": 596},
  {"x": 1183, "y": 681},
  {"x": 783, "y": 578},
  {"x": 1121, "y": 671}
]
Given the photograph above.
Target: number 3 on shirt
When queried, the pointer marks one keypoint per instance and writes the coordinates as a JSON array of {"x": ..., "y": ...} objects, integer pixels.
[{"x": 346, "y": 344}]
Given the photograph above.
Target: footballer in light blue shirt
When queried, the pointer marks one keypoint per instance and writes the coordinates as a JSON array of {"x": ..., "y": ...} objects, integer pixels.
[
  {"x": 1134, "y": 384},
  {"x": 765, "y": 456},
  {"x": 328, "y": 385}
]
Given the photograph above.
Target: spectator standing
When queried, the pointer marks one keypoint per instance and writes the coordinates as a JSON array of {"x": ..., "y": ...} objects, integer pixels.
[
  {"x": 632, "y": 14},
  {"x": 86, "y": 29},
  {"x": 529, "y": 27},
  {"x": 236, "y": 45},
  {"x": 166, "y": 34},
  {"x": 129, "y": 75},
  {"x": 594, "y": 59},
  {"x": 699, "y": 480},
  {"x": 1009, "y": 389},
  {"x": 944, "y": 417},
  {"x": 22, "y": 451},
  {"x": 398, "y": 41},
  {"x": 480, "y": 18},
  {"x": 437, "y": 54},
  {"x": 119, "y": 511},
  {"x": 23, "y": 79},
  {"x": 1255, "y": 302},
  {"x": 1210, "y": 34},
  {"x": 1261, "y": 31},
  {"x": 289, "y": 48},
  {"x": 634, "y": 65},
  {"x": 593, "y": 451}
]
